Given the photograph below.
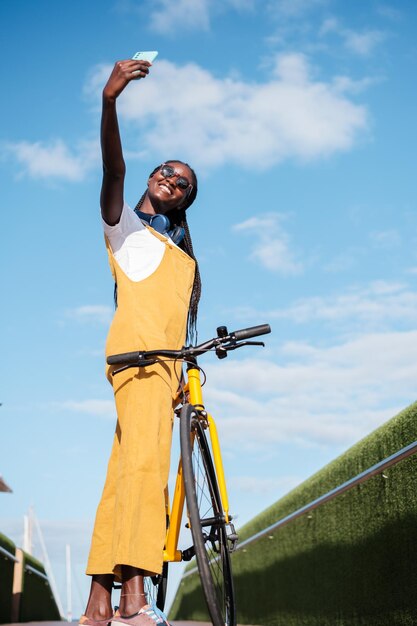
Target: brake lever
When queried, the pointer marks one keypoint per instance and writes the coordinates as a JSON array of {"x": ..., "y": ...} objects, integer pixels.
[
  {"x": 140, "y": 363},
  {"x": 245, "y": 343},
  {"x": 222, "y": 350},
  {"x": 121, "y": 369}
]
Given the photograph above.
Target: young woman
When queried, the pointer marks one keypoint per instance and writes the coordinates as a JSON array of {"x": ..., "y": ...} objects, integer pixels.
[{"x": 158, "y": 288}]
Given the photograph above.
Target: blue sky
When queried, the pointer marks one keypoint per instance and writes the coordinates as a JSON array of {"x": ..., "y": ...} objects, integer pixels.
[{"x": 299, "y": 118}]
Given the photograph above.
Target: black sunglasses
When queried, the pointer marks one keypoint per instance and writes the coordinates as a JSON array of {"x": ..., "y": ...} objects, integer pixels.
[{"x": 169, "y": 172}]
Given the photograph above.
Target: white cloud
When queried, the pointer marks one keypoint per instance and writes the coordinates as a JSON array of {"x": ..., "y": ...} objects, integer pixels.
[
  {"x": 345, "y": 84},
  {"x": 389, "y": 12},
  {"x": 194, "y": 15},
  {"x": 271, "y": 244},
  {"x": 293, "y": 8},
  {"x": 360, "y": 43},
  {"x": 291, "y": 115},
  {"x": 54, "y": 160},
  {"x": 378, "y": 304},
  {"x": 305, "y": 394},
  {"x": 324, "y": 395},
  {"x": 317, "y": 396},
  {"x": 95, "y": 313},
  {"x": 329, "y": 25},
  {"x": 101, "y": 408},
  {"x": 238, "y": 121},
  {"x": 266, "y": 484},
  {"x": 386, "y": 239},
  {"x": 242, "y": 5},
  {"x": 363, "y": 43},
  {"x": 167, "y": 17}
]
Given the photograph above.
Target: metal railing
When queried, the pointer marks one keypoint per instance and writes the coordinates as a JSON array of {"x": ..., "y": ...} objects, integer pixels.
[
  {"x": 35, "y": 571},
  {"x": 28, "y": 568},
  {"x": 378, "y": 468},
  {"x": 8, "y": 555}
]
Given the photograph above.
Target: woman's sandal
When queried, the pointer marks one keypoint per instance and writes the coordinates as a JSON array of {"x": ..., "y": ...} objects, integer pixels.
[
  {"x": 147, "y": 616},
  {"x": 86, "y": 621}
]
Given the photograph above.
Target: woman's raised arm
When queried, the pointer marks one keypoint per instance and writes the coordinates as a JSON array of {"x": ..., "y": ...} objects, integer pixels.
[{"x": 114, "y": 169}]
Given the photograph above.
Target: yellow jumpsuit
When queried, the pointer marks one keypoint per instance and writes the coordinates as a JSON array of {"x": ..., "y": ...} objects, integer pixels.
[{"x": 152, "y": 313}]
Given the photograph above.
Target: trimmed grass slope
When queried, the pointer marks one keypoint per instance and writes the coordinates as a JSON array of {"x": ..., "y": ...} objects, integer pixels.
[
  {"x": 350, "y": 562},
  {"x": 37, "y": 602}
]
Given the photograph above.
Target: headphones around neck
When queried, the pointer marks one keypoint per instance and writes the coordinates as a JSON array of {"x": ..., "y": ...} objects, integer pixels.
[{"x": 162, "y": 225}]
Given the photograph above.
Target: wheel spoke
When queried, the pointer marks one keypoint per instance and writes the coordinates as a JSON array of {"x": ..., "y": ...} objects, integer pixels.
[{"x": 156, "y": 587}]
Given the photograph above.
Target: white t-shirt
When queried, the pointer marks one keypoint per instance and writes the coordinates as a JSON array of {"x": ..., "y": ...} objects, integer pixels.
[{"x": 135, "y": 248}]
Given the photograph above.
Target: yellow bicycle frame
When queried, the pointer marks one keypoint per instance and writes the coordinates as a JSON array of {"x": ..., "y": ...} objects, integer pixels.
[{"x": 175, "y": 512}]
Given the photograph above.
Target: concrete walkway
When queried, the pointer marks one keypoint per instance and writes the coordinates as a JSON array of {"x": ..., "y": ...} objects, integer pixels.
[{"x": 64, "y": 622}]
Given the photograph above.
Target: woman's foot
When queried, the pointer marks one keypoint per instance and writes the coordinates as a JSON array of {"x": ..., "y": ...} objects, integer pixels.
[
  {"x": 147, "y": 616},
  {"x": 86, "y": 621}
]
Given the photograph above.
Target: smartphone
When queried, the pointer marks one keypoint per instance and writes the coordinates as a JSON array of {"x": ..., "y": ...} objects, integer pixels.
[{"x": 145, "y": 56}]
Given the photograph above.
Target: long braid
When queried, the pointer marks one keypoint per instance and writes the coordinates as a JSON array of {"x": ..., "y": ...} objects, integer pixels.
[
  {"x": 178, "y": 217},
  {"x": 196, "y": 291}
]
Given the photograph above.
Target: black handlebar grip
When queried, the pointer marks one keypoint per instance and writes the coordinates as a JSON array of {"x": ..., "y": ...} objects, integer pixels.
[
  {"x": 128, "y": 358},
  {"x": 254, "y": 331}
]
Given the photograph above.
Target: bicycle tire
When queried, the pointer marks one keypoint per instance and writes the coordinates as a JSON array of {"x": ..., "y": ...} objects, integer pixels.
[
  {"x": 207, "y": 523},
  {"x": 156, "y": 587}
]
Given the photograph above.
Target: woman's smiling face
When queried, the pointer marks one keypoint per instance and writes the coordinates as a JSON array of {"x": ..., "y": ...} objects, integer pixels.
[{"x": 164, "y": 191}]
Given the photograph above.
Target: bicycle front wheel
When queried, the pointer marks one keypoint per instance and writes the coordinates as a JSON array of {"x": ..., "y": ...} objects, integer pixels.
[{"x": 206, "y": 518}]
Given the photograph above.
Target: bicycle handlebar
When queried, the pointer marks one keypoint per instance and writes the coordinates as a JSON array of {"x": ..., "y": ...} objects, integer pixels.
[
  {"x": 222, "y": 343},
  {"x": 253, "y": 331},
  {"x": 127, "y": 358}
]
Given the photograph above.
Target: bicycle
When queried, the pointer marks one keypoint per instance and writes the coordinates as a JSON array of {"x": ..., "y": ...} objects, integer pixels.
[{"x": 200, "y": 478}]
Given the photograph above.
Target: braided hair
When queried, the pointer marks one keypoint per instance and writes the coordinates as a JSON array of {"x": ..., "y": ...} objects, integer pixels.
[{"x": 177, "y": 217}]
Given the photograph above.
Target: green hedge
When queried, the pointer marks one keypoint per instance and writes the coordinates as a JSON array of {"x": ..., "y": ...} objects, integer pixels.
[
  {"x": 6, "y": 579},
  {"x": 350, "y": 562},
  {"x": 37, "y": 602}
]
